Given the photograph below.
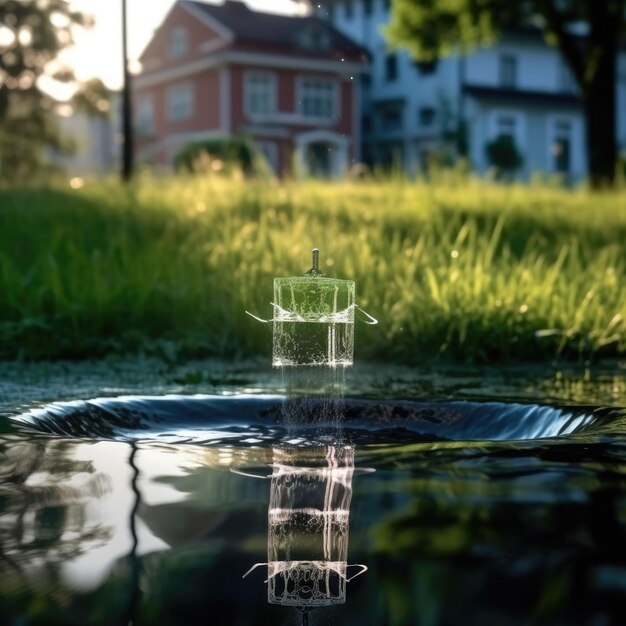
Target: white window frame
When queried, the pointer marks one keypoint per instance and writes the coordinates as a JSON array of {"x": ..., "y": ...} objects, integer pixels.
[
  {"x": 176, "y": 91},
  {"x": 248, "y": 89},
  {"x": 145, "y": 114},
  {"x": 335, "y": 98},
  {"x": 178, "y": 42}
]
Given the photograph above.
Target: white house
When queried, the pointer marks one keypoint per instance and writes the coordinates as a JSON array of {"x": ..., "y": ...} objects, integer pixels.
[
  {"x": 519, "y": 87},
  {"x": 97, "y": 140}
]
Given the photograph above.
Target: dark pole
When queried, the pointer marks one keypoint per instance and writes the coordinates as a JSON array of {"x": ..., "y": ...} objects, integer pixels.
[{"x": 127, "y": 108}]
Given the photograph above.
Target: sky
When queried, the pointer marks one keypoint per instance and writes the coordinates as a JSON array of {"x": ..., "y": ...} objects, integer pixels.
[{"x": 98, "y": 51}]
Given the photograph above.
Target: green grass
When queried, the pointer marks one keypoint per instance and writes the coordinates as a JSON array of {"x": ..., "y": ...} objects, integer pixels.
[{"x": 456, "y": 269}]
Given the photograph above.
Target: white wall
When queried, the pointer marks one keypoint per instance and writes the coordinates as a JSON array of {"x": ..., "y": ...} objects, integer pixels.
[
  {"x": 97, "y": 141},
  {"x": 540, "y": 68}
]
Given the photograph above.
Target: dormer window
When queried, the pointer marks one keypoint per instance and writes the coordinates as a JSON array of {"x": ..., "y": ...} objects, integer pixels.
[
  {"x": 178, "y": 42},
  {"x": 314, "y": 38}
]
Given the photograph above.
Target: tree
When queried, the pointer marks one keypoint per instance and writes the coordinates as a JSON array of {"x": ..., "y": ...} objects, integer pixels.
[
  {"x": 32, "y": 33},
  {"x": 587, "y": 32}
]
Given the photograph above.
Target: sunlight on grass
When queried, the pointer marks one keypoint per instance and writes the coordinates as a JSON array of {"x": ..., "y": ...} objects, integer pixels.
[{"x": 462, "y": 270}]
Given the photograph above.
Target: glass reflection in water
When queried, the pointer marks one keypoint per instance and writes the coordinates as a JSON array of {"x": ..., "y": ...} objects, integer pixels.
[{"x": 308, "y": 526}]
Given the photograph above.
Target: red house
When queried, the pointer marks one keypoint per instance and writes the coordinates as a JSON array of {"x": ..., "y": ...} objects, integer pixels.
[{"x": 217, "y": 70}]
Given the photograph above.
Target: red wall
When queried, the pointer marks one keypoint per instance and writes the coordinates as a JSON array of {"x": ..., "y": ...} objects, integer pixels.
[
  {"x": 206, "y": 113},
  {"x": 286, "y": 96},
  {"x": 157, "y": 55}
]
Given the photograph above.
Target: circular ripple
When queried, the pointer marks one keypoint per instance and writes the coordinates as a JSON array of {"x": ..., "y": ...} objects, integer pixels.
[{"x": 253, "y": 420}]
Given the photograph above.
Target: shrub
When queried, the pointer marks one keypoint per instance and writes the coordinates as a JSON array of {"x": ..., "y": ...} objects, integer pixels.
[
  {"x": 217, "y": 154},
  {"x": 504, "y": 155}
]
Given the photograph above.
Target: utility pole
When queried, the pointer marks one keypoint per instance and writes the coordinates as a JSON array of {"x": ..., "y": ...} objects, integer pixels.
[{"x": 127, "y": 107}]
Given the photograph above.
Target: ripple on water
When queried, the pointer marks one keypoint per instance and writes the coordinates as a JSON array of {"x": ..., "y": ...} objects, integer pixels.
[{"x": 252, "y": 420}]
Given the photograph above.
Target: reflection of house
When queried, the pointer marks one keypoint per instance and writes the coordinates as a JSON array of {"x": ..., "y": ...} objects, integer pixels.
[
  {"x": 290, "y": 83},
  {"x": 519, "y": 88}
]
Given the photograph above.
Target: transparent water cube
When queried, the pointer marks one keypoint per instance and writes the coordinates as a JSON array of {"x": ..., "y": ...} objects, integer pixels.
[{"x": 313, "y": 321}]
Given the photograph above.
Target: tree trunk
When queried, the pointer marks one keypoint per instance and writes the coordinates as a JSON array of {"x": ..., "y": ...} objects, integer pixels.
[
  {"x": 600, "y": 111},
  {"x": 599, "y": 95}
]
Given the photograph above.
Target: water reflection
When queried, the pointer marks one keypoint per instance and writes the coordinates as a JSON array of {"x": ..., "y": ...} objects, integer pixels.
[
  {"x": 43, "y": 521},
  {"x": 308, "y": 527}
]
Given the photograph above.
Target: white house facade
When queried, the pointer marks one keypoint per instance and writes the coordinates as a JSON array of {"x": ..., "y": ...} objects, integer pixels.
[
  {"x": 97, "y": 141},
  {"x": 520, "y": 88}
]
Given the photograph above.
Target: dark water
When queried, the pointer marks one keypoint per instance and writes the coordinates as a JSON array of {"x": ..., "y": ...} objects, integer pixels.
[{"x": 149, "y": 510}]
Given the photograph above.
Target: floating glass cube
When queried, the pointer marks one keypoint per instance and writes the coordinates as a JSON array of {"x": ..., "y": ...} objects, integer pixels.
[{"x": 313, "y": 321}]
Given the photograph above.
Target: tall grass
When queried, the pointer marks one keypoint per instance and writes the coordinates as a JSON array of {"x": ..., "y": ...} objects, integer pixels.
[{"x": 454, "y": 269}]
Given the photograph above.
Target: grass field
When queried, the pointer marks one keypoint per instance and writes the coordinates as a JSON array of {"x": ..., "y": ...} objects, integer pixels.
[{"x": 458, "y": 270}]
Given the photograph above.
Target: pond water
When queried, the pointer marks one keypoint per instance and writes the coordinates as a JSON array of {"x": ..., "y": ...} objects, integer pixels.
[{"x": 401, "y": 503}]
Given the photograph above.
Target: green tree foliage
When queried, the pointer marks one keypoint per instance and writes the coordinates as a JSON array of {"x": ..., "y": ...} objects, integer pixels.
[
  {"x": 433, "y": 28},
  {"x": 32, "y": 33}
]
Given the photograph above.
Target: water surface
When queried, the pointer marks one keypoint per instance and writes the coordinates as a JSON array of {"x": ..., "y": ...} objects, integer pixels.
[{"x": 466, "y": 508}]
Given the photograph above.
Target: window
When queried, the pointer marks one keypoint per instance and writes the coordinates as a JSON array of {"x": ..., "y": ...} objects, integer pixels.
[
  {"x": 391, "y": 67},
  {"x": 314, "y": 38},
  {"x": 178, "y": 41},
  {"x": 390, "y": 116},
  {"x": 426, "y": 116},
  {"x": 506, "y": 127},
  {"x": 508, "y": 71},
  {"x": 508, "y": 124},
  {"x": 367, "y": 7},
  {"x": 145, "y": 115},
  {"x": 562, "y": 146},
  {"x": 260, "y": 93},
  {"x": 180, "y": 102},
  {"x": 366, "y": 80},
  {"x": 386, "y": 5},
  {"x": 317, "y": 98},
  {"x": 349, "y": 9}
]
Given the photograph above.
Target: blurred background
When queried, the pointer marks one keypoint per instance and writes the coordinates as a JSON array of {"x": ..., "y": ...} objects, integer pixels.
[{"x": 511, "y": 92}]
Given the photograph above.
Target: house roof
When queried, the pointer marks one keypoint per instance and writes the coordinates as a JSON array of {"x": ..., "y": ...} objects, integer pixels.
[
  {"x": 270, "y": 32},
  {"x": 521, "y": 95}
]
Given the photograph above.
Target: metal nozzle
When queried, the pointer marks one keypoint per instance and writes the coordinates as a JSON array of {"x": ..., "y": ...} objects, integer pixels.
[
  {"x": 315, "y": 255},
  {"x": 315, "y": 262}
]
